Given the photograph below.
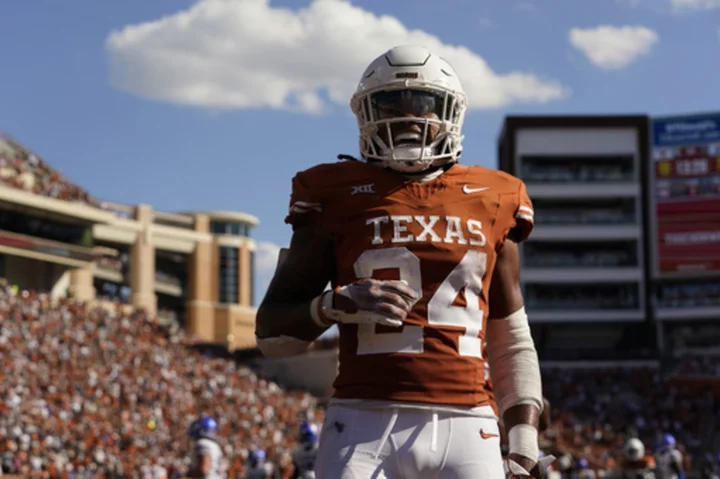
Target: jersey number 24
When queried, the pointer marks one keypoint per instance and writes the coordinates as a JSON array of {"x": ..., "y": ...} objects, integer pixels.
[{"x": 467, "y": 275}]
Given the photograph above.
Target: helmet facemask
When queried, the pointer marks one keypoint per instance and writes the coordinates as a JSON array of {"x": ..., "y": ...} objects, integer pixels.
[{"x": 411, "y": 126}]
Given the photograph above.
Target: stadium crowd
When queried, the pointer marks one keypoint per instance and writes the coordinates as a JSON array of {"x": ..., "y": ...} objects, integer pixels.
[
  {"x": 701, "y": 366},
  {"x": 596, "y": 410},
  {"x": 89, "y": 391},
  {"x": 22, "y": 169}
]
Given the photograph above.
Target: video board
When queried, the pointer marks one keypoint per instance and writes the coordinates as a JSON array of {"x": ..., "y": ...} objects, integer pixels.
[{"x": 686, "y": 194}]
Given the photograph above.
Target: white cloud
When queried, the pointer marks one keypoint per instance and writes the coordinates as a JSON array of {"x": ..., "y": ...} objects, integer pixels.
[
  {"x": 266, "y": 256},
  {"x": 691, "y": 5},
  {"x": 613, "y": 48},
  {"x": 227, "y": 54}
]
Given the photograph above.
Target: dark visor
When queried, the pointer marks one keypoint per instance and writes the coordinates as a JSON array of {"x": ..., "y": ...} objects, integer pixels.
[{"x": 408, "y": 102}]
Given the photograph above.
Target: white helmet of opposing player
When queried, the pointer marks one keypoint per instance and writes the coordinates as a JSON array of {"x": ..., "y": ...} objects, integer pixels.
[{"x": 410, "y": 85}]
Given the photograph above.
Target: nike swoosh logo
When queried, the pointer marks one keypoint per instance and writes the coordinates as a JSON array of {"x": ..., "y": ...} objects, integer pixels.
[
  {"x": 487, "y": 435},
  {"x": 468, "y": 191}
]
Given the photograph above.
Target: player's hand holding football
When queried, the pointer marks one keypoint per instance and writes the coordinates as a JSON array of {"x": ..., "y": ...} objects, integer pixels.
[{"x": 368, "y": 301}]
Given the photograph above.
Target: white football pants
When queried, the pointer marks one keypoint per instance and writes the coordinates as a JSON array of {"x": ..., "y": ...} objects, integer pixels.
[{"x": 403, "y": 443}]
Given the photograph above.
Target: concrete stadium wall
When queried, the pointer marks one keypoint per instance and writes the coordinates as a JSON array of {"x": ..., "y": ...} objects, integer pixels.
[{"x": 33, "y": 274}]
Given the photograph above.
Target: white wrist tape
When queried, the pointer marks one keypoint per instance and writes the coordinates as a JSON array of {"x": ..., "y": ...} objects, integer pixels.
[
  {"x": 514, "y": 366},
  {"x": 523, "y": 440},
  {"x": 320, "y": 304}
]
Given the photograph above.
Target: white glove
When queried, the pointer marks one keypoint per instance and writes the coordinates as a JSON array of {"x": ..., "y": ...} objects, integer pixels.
[
  {"x": 513, "y": 470},
  {"x": 366, "y": 301}
]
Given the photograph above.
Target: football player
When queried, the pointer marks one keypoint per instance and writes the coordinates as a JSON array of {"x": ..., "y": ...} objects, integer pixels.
[
  {"x": 635, "y": 464},
  {"x": 207, "y": 461},
  {"x": 411, "y": 241},
  {"x": 258, "y": 467},
  {"x": 304, "y": 455},
  {"x": 669, "y": 459}
]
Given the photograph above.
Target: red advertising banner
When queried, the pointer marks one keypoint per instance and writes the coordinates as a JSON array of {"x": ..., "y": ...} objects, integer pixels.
[
  {"x": 686, "y": 154},
  {"x": 689, "y": 236}
]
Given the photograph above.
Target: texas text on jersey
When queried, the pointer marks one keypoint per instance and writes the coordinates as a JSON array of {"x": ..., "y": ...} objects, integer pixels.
[{"x": 441, "y": 237}]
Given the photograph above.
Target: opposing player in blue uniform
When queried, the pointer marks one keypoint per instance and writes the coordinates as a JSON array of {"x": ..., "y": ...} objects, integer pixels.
[
  {"x": 668, "y": 459},
  {"x": 304, "y": 456},
  {"x": 207, "y": 457}
]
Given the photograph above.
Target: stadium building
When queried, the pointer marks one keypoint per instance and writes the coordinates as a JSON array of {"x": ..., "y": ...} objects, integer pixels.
[
  {"x": 584, "y": 269},
  {"x": 194, "y": 268}
]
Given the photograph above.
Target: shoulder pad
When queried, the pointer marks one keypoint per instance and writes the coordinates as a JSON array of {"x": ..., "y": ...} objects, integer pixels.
[{"x": 314, "y": 187}]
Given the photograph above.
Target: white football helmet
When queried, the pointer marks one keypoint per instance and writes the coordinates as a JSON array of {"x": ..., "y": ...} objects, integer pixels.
[
  {"x": 634, "y": 449},
  {"x": 423, "y": 83}
]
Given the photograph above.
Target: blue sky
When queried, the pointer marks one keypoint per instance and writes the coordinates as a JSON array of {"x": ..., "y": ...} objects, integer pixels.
[{"x": 215, "y": 105}]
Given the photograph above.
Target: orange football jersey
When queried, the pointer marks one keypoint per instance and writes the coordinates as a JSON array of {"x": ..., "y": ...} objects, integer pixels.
[
  {"x": 442, "y": 237},
  {"x": 489, "y": 389}
]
